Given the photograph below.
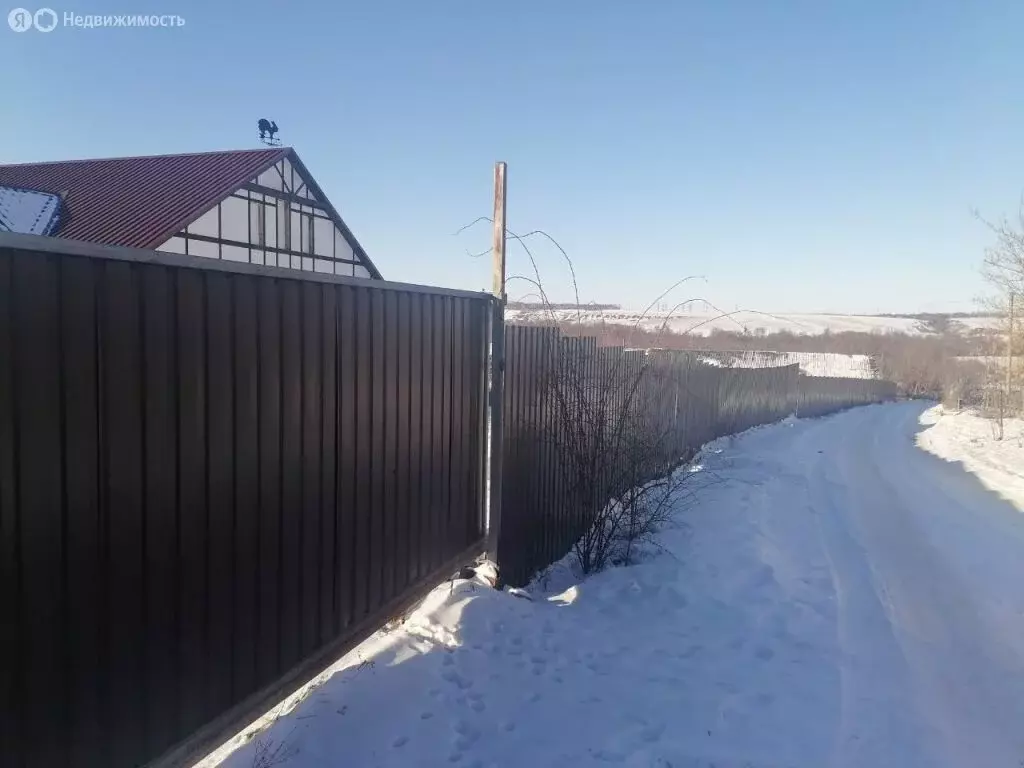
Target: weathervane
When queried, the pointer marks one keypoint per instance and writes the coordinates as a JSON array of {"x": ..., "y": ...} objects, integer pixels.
[{"x": 268, "y": 131}]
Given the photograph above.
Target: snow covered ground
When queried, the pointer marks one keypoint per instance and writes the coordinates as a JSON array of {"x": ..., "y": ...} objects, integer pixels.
[
  {"x": 836, "y": 596},
  {"x": 970, "y": 439}
]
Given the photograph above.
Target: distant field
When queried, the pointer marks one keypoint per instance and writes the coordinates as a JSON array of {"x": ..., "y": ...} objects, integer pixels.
[{"x": 703, "y": 323}]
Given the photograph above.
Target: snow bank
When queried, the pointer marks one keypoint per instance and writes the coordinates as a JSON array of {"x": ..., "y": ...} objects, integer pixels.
[
  {"x": 970, "y": 439},
  {"x": 803, "y": 611},
  {"x": 673, "y": 661}
]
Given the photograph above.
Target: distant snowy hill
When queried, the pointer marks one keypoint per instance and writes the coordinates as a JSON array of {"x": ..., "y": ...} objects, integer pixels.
[
  {"x": 826, "y": 364},
  {"x": 702, "y": 322}
]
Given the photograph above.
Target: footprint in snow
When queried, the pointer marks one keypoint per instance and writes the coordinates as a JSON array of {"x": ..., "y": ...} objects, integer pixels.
[
  {"x": 691, "y": 651},
  {"x": 465, "y": 736},
  {"x": 652, "y": 733},
  {"x": 765, "y": 654},
  {"x": 401, "y": 741},
  {"x": 464, "y": 727}
]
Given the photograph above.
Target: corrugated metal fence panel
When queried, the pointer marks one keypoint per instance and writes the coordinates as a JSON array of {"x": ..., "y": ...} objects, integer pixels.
[
  {"x": 576, "y": 386},
  {"x": 207, "y": 476}
]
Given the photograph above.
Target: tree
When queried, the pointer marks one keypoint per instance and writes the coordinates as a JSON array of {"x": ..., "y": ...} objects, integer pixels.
[{"x": 1003, "y": 269}]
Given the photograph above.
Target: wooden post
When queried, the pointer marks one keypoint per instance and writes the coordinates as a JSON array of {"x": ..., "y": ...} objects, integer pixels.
[
  {"x": 497, "y": 365},
  {"x": 498, "y": 238}
]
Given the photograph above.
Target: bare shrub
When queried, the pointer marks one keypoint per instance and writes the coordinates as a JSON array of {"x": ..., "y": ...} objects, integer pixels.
[
  {"x": 617, "y": 461},
  {"x": 269, "y": 753}
]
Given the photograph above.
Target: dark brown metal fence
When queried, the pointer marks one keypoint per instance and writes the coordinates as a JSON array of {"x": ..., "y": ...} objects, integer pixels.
[
  {"x": 557, "y": 389},
  {"x": 214, "y": 477}
]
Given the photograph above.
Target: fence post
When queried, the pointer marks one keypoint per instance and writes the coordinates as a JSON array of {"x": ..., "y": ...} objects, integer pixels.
[{"x": 497, "y": 365}]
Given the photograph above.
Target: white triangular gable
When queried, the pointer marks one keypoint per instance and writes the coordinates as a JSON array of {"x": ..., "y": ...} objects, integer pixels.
[{"x": 279, "y": 219}]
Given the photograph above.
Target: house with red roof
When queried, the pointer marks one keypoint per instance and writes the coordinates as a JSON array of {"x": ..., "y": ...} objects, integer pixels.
[{"x": 260, "y": 206}]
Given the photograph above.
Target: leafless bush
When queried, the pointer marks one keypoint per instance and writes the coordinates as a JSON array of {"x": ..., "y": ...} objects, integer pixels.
[
  {"x": 630, "y": 489},
  {"x": 617, "y": 460},
  {"x": 269, "y": 753},
  {"x": 614, "y": 459}
]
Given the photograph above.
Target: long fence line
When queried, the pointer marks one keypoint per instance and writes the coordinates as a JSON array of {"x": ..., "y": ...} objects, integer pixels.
[
  {"x": 556, "y": 384},
  {"x": 216, "y": 477}
]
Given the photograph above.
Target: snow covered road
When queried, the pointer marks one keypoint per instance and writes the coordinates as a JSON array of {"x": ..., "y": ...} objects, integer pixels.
[{"x": 836, "y": 596}]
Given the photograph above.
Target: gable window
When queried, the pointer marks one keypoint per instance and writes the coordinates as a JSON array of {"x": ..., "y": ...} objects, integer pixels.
[{"x": 278, "y": 218}]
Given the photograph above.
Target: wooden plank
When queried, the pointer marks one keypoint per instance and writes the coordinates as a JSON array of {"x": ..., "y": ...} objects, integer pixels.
[
  {"x": 158, "y": 359},
  {"x": 269, "y": 603},
  {"x": 312, "y": 421},
  {"x": 247, "y": 486},
  {"x": 123, "y": 432},
  {"x": 220, "y": 488},
  {"x": 291, "y": 472},
  {"x": 328, "y": 462},
  {"x": 38, "y": 459}
]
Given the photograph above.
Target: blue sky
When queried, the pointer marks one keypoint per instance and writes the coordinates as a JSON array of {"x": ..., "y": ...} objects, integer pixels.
[{"x": 802, "y": 155}]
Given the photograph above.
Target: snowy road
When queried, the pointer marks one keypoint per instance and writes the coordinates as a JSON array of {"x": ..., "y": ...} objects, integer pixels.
[{"x": 835, "y": 597}]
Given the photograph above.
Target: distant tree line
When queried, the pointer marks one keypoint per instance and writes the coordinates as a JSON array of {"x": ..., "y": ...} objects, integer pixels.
[{"x": 541, "y": 306}]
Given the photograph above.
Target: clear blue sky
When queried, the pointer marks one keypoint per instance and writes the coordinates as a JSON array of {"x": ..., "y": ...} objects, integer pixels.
[{"x": 803, "y": 155}]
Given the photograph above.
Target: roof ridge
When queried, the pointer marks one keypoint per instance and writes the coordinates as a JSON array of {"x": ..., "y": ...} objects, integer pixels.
[{"x": 252, "y": 150}]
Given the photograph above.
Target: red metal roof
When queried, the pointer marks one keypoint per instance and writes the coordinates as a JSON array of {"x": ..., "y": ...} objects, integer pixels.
[{"x": 139, "y": 202}]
